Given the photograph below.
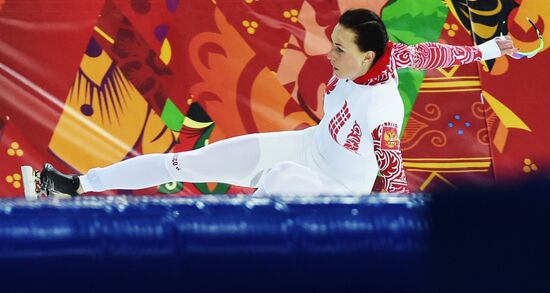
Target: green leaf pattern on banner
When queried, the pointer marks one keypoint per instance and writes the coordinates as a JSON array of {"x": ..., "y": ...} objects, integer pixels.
[{"x": 412, "y": 22}]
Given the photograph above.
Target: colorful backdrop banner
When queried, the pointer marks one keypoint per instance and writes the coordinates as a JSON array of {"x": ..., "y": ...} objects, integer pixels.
[{"x": 88, "y": 84}]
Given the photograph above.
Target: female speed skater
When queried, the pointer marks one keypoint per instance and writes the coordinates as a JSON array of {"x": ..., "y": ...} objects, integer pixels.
[{"x": 357, "y": 138}]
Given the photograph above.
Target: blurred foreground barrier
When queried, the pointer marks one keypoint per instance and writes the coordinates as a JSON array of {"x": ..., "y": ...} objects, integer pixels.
[
  {"x": 475, "y": 240},
  {"x": 152, "y": 244}
]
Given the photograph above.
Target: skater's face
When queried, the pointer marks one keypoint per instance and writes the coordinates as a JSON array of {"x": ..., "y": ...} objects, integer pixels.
[{"x": 347, "y": 60}]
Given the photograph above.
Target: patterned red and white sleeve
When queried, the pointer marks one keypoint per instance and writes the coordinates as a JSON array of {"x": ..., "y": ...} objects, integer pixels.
[
  {"x": 433, "y": 55},
  {"x": 387, "y": 150}
]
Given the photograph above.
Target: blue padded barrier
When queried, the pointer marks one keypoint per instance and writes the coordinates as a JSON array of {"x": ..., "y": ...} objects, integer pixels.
[
  {"x": 215, "y": 243},
  {"x": 472, "y": 240}
]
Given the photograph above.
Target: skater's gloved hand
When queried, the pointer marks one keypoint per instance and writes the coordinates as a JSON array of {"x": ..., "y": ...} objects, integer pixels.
[
  {"x": 506, "y": 45},
  {"x": 497, "y": 47}
]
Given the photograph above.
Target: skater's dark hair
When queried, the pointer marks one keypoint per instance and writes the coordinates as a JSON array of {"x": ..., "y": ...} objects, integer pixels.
[{"x": 369, "y": 29}]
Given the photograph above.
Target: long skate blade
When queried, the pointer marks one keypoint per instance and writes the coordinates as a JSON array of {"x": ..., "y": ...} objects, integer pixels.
[
  {"x": 29, "y": 183},
  {"x": 59, "y": 195}
]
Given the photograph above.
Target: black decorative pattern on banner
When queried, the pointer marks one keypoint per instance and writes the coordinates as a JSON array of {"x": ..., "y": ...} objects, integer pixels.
[{"x": 489, "y": 14}]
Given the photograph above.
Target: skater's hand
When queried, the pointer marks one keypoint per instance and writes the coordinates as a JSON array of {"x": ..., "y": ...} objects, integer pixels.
[{"x": 506, "y": 45}]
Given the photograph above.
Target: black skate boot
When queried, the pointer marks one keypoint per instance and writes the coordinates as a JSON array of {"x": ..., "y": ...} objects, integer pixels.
[{"x": 48, "y": 183}]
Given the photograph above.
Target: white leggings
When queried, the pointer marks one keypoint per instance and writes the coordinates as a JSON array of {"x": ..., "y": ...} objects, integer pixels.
[{"x": 276, "y": 162}]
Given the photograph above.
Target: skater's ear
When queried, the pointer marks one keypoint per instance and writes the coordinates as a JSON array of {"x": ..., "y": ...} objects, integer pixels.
[{"x": 369, "y": 56}]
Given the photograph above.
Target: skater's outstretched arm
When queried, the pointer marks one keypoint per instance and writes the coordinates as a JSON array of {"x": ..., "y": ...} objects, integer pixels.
[{"x": 436, "y": 55}]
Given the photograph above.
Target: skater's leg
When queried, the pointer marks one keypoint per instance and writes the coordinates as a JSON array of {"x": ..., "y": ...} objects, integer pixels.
[
  {"x": 135, "y": 173},
  {"x": 240, "y": 161},
  {"x": 295, "y": 179}
]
